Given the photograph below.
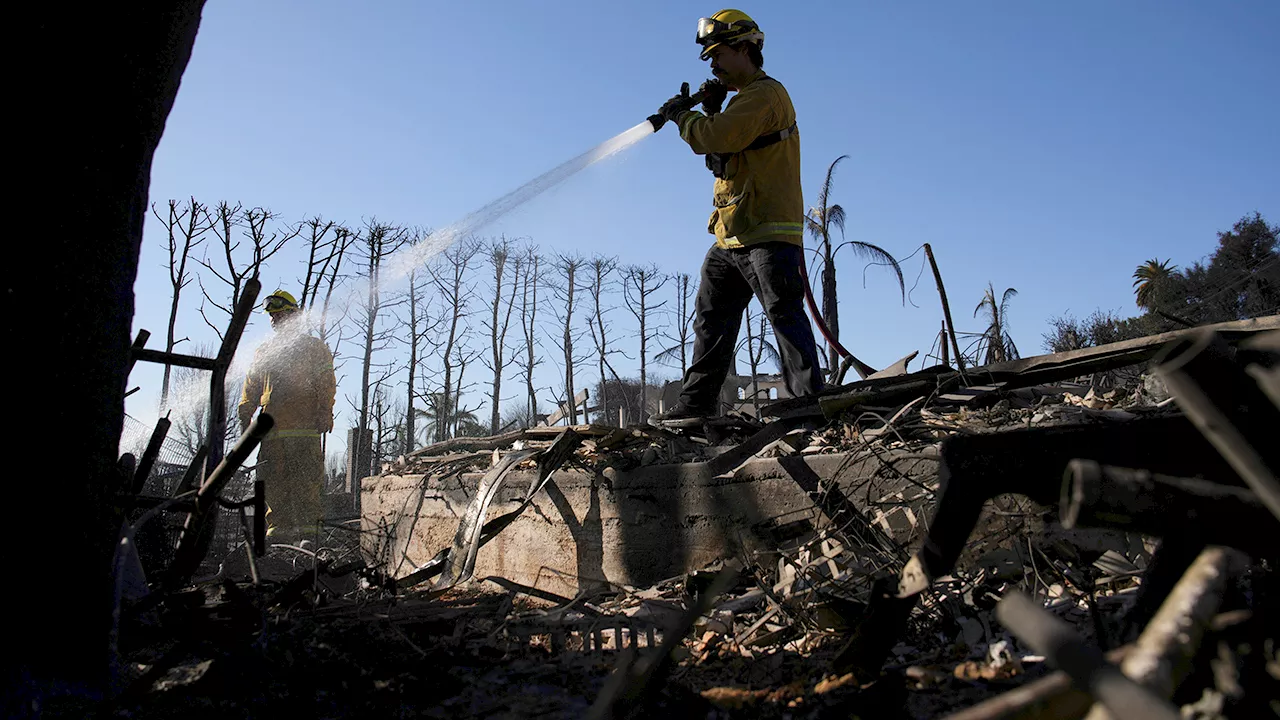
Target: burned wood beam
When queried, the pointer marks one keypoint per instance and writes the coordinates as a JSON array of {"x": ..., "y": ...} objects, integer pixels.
[
  {"x": 467, "y": 444},
  {"x": 1163, "y": 654},
  {"x": 1228, "y": 407},
  {"x": 902, "y": 392},
  {"x": 197, "y": 533},
  {"x": 1084, "y": 664},
  {"x": 168, "y": 358},
  {"x": 1095, "y": 495},
  {"x": 139, "y": 342},
  {"x": 1031, "y": 462},
  {"x": 148, "y": 460},
  {"x": 1117, "y": 354}
]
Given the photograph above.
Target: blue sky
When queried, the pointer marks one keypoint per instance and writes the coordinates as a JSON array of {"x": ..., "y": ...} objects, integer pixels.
[{"x": 1050, "y": 147}]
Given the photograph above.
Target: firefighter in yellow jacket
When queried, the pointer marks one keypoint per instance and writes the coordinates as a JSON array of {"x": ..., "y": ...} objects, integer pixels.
[
  {"x": 753, "y": 150},
  {"x": 291, "y": 378}
]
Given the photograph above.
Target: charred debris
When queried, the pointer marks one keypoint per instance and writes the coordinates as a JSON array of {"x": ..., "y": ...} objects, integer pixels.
[{"x": 1077, "y": 534}]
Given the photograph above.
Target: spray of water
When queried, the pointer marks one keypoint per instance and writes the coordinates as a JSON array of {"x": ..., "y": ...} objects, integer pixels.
[
  {"x": 187, "y": 399},
  {"x": 407, "y": 260}
]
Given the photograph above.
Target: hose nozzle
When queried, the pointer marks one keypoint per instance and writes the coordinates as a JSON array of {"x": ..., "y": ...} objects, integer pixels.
[{"x": 657, "y": 120}]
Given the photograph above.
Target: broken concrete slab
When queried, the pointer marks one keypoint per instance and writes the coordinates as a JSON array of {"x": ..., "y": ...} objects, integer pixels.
[{"x": 633, "y": 527}]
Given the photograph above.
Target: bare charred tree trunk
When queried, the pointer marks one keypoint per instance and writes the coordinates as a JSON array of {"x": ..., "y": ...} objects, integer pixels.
[
  {"x": 530, "y": 279},
  {"x": 191, "y": 222},
  {"x": 568, "y": 268},
  {"x": 126, "y": 63},
  {"x": 601, "y": 271},
  {"x": 639, "y": 283},
  {"x": 449, "y": 276},
  {"x": 378, "y": 240},
  {"x": 418, "y": 325},
  {"x": 755, "y": 353},
  {"x": 499, "y": 322},
  {"x": 684, "y": 318}
]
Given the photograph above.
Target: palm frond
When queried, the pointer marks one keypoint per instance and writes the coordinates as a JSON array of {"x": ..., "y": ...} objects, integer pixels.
[
  {"x": 878, "y": 255},
  {"x": 835, "y": 218}
]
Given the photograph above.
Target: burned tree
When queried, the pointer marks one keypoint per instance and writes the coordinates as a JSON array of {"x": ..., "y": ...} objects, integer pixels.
[
  {"x": 185, "y": 226},
  {"x": 530, "y": 279},
  {"x": 568, "y": 270},
  {"x": 499, "y": 256},
  {"x": 759, "y": 350},
  {"x": 449, "y": 277},
  {"x": 419, "y": 326},
  {"x": 377, "y": 241},
  {"x": 600, "y": 271},
  {"x": 265, "y": 240},
  {"x": 639, "y": 283},
  {"x": 680, "y": 330},
  {"x": 821, "y": 220},
  {"x": 327, "y": 246}
]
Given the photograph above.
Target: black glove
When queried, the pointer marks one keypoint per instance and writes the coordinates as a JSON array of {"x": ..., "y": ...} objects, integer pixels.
[
  {"x": 713, "y": 93},
  {"x": 677, "y": 105}
]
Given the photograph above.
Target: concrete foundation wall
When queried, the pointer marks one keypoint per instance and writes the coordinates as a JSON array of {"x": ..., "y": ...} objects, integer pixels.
[{"x": 633, "y": 528}]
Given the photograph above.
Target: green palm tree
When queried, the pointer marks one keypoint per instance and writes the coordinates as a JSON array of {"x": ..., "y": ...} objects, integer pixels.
[
  {"x": 1149, "y": 278},
  {"x": 996, "y": 344},
  {"x": 820, "y": 221}
]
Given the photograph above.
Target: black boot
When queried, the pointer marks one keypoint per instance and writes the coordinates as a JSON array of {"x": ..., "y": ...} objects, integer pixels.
[{"x": 681, "y": 416}]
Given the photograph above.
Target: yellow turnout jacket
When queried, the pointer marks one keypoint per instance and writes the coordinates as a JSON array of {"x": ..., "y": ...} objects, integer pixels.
[
  {"x": 291, "y": 378},
  {"x": 759, "y": 197}
]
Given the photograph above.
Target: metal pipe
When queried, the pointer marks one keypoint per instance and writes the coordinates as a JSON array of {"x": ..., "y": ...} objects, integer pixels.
[
  {"x": 1049, "y": 636},
  {"x": 1227, "y": 406},
  {"x": 1096, "y": 495},
  {"x": 148, "y": 460}
]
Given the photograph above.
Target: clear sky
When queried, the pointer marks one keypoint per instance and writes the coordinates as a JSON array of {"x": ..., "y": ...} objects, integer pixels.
[{"x": 1050, "y": 146}]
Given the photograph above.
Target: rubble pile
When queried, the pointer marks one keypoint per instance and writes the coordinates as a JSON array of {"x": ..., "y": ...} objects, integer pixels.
[{"x": 1087, "y": 539}]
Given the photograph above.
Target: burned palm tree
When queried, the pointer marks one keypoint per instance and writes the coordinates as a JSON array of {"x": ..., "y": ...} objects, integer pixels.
[
  {"x": 995, "y": 344},
  {"x": 820, "y": 221}
]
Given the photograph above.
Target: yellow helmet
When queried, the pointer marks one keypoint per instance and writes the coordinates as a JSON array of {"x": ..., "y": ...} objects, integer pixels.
[
  {"x": 727, "y": 26},
  {"x": 280, "y": 301}
]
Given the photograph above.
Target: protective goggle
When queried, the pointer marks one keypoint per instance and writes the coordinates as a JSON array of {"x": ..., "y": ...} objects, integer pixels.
[
  {"x": 709, "y": 27},
  {"x": 275, "y": 303}
]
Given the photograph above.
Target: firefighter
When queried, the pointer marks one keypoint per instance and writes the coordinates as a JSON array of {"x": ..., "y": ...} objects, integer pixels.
[
  {"x": 753, "y": 150},
  {"x": 291, "y": 378}
]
